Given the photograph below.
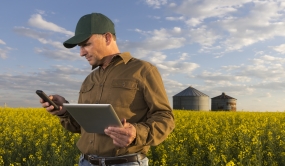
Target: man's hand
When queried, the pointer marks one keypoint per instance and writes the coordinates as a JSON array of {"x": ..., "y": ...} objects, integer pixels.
[
  {"x": 122, "y": 136},
  {"x": 58, "y": 100}
]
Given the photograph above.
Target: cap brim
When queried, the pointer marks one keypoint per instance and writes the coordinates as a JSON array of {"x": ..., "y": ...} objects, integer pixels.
[{"x": 75, "y": 40}]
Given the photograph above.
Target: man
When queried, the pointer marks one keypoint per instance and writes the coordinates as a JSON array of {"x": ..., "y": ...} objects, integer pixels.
[{"x": 132, "y": 86}]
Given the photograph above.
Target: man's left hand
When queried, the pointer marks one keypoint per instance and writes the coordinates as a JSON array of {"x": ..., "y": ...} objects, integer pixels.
[{"x": 122, "y": 136}]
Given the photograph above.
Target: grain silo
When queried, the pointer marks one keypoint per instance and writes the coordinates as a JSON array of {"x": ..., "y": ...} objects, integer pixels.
[
  {"x": 191, "y": 99},
  {"x": 223, "y": 102}
]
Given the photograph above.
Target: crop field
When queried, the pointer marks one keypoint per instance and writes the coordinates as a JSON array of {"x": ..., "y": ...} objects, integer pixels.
[{"x": 33, "y": 137}]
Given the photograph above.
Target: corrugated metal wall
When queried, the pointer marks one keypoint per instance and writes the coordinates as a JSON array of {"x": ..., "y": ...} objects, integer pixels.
[
  {"x": 198, "y": 103},
  {"x": 223, "y": 102}
]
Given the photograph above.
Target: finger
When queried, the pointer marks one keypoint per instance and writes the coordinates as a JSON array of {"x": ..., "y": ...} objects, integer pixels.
[
  {"x": 120, "y": 144},
  {"x": 55, "y": 112},
  {"x": 50, "y": 96},
  {"x": 119, "y": 129},
  {"x": 50, "y": 108},
  {"x": 121, "y": 139},
  {"x": 124, "y": 121},
  {"x": 45, "y": 104},
  {"x": 116, "y": 135}
]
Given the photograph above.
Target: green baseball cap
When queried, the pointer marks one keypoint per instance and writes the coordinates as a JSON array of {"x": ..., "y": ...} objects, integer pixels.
[{"x": 95, "y": 23}]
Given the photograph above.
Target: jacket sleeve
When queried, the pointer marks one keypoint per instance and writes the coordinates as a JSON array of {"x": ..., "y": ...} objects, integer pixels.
[
  {"x": 69, "y": 123},
  {"x": 160, "y": 119}
]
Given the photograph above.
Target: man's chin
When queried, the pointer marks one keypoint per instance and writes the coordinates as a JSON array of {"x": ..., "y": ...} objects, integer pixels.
[{"x": 90, "y": 63}]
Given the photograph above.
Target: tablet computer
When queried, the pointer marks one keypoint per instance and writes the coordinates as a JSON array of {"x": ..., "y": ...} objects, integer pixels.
[{"x": 93, "y": 118}]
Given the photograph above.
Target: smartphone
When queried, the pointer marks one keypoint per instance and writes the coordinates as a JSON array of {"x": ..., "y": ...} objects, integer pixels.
[{"x": 47, "y": 99}]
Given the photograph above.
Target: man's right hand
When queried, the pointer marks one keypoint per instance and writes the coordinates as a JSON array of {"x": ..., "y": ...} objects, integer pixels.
[{"x": 58, "y": 100}]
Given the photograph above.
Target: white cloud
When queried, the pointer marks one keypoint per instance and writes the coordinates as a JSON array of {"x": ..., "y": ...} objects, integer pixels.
[
  {"x": 56, "y": 49},
  {"x": 262, "y": 22},
  {"x": 172, "y": 87},
  {"x": 262, "y": 76},
  {"x": 204, "y": 36},
  {"x": 158, "y": 40},
  {"x": 280, "y": 48},
  {"x": 177, "y": 30},
  {"x": 175, "y": 18},
  {"x": 162, "y": 39},
  {"x": 157, "y": 57},
  {"x": 156, "y": 3},
  {"x": 266, "y": 72},
  {"x": 273, "y": 61},
  {"x": 41, "y": 12},
  {"x": 155, "y": 17},
  {"x": 232, "y": 67},
  {"x": 259, "y": 53},
  {"x": 2, "y": 42},
  {"x": 62, "y": 80},
  {"x": 60, "y": 54},
  {"x": 30, "y": 33},
  {"x": 203, "y": 9},
  {"x": 220, "y": 27},
  {"x": 224, "y": 25},
  {"x": 37, "y": 21},
  {"x": 167, "y": 67},
  {"x": 183, "y": 57},
  {"x": 3, "y": 54},
  {"x": 172, "y": 67},
  {"x": 194, "y": 22},
  {"x": 271, "y": 58},
  {"x": 273, "y": 85},
  {"x": 172, "y": 5},
  {"x": 222, "y": 78}
]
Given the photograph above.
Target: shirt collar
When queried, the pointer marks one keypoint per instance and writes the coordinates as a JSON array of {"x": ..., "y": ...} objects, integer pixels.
[{"x": 126, "y": 56}]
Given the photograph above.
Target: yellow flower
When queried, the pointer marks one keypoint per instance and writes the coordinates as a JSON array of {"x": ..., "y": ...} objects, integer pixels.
[
  {"x": 231, "y": 163},
  {"x": 1, "y": 161}
]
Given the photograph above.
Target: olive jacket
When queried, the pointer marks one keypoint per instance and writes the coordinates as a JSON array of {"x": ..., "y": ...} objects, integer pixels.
[{"x": 135, "y": 89}]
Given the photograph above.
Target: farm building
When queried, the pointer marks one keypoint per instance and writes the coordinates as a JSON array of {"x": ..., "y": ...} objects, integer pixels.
[
  {"x": 191, "y": 99},
  {"x": 223, "y": 102}
]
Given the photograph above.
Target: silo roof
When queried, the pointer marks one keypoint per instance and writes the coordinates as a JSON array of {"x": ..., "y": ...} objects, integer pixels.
[
  {"x": 223, "y": 96},
  {"x": 190, "y": 91}
]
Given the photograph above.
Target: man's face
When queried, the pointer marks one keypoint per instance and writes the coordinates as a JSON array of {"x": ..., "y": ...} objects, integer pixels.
[{"x": 94, "y": 49}]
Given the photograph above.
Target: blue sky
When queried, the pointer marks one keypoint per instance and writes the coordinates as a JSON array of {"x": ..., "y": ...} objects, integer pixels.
[{"x": 236, "y": 47}]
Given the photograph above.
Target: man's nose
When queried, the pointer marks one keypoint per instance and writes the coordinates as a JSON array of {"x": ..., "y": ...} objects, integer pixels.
[{"x": 83, "y": 52}]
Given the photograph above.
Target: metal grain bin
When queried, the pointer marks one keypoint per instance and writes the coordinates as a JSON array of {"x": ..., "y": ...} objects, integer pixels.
[
  {"x": 224, "y": 103},
  {"x": 191, "y": 99}
]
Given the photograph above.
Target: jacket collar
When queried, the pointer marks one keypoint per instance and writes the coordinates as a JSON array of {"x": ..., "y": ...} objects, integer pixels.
[{"x": 126, "y": 56}]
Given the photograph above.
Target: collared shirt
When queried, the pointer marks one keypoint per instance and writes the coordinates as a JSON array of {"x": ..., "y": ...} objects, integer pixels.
[{"x": 135, "y": 89}]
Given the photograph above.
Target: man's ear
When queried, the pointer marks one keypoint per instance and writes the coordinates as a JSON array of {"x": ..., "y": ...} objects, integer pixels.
[{"x": 108, "y": 38}]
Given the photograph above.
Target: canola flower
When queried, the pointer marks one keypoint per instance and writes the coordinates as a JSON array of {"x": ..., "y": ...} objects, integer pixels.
[
  {"x": 33, "y": 137},
  {"x": 223, "y": 138}
]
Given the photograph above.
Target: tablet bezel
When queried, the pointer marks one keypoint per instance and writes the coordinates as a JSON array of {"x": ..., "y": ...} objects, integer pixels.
[{"x": 93, "y": 118}]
